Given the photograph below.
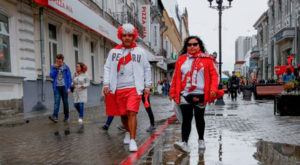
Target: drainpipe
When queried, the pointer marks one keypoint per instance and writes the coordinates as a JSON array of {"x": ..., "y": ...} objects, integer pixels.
[
  {"x": 103, "y": 8},
  {"x": 42, "y": 51},
  {"x": 39, "y": 105},
  {"x": 296, "y": 40}
]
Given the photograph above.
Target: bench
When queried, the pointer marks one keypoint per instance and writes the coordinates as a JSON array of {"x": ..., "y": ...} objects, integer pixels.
[{"x": 268, "y": 90}]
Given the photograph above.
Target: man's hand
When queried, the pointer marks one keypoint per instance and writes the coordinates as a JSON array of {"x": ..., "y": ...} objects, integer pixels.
[
  {"x": 69, "y": 91},
  {"x": 105, "y": 90},
  {"x": 213, "y": 94},
  {"x": 56, "y": 66},
  {"x": 146, "y": 91}
]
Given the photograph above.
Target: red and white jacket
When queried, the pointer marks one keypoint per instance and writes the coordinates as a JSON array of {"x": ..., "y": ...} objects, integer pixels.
[
  {"x": 211, "y": 78},
  {"x": 141, "y": 68}
]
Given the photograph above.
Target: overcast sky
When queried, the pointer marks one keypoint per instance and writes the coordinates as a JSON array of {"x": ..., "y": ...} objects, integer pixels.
[{"x": 237, "y": 21}]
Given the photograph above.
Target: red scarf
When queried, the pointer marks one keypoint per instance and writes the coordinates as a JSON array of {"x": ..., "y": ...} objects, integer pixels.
[
  {"x": 195, "y": 66},
  {"x": 127, "y": 57}
]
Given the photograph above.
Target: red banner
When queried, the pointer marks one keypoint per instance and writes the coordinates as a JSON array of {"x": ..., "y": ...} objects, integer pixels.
[
  {"x": 280, "y": 70},
  {"x": 41, "y": 2}
]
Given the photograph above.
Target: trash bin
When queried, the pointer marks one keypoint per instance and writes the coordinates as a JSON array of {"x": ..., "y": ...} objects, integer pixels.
[{"x": 247, "y": 93}]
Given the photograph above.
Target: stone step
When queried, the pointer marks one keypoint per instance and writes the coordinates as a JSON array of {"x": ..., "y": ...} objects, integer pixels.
[{"x": 6, "y": 112}]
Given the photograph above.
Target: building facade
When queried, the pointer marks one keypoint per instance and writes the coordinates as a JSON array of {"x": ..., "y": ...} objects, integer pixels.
[
  {"x": 32, "y": 32},
  {"x": 278, "y": 36}
]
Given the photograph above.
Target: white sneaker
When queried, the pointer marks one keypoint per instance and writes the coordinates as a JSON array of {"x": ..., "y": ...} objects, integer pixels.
[
  {"x": 80, "y": 120},
  {"x": 126, "y": 138},
  {"x": 132, "y": 146},
  {"x": 201, "y": 144},
  {"x": 182, "y": 146}
]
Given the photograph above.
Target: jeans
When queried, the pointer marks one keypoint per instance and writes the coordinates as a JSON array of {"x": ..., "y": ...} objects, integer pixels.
[
  {"x": 60, "y": 92},
  {"x": 79, "y": 107}
]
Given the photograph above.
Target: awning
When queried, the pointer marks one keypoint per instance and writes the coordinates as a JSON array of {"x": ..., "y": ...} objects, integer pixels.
[{"x": 73, "y": 9}]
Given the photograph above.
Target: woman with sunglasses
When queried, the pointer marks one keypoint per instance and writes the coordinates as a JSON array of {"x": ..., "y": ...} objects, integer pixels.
[{"x": 194, "y": 83}]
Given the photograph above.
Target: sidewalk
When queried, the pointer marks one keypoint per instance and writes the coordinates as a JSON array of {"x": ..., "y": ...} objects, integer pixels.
[
  {"x": 43, "y": 142},
  {"x": 239, "y": 133}
]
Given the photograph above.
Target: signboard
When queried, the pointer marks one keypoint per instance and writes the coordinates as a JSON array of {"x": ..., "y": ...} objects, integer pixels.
[
  {"x": 155, "y": 37},
  {"x": 280, "y": 70},
  {"x": 73, "y": 9},
  {"x": 144, "y": 18},
  {"x": 42, "y": 2},
  {"x": 163, "y": 65}
]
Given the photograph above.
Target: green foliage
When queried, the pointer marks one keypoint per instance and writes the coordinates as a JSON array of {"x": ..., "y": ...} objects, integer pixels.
[{"x": 295, "y": 82}]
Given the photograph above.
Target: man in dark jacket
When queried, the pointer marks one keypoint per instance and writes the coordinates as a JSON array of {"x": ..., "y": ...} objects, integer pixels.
[
  {"x": 233, "y": 84},
  {"x": 62, "y": 80}
]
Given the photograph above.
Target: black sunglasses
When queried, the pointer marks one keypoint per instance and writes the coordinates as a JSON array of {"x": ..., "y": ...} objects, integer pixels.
[{"x": 192, "y": 44}]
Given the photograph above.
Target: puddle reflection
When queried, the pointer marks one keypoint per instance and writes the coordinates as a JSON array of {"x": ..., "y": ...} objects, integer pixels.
[{"x": 277, "y": 153}]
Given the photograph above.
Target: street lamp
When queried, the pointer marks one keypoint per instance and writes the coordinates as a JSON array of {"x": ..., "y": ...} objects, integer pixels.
[{"x": 220, "y": 8}]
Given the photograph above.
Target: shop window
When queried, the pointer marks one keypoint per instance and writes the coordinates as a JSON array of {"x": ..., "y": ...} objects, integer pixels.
[
  {"x": 5, "y": 63},
  {"x": 52, "y": 43}
]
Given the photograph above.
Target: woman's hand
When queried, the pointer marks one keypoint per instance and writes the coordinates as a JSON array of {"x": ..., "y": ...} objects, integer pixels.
[
  {"x": 213, "y": 94},
  {"x": 171, "y": 98}
]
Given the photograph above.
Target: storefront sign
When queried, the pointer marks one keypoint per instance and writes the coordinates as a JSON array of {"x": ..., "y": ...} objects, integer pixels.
[
  {"x": 279, "y": 36},
  {"x": 155, "y": 33},
  {"x": 163, "y": 65},
  {"x": 42, "y": 2},
  {"x": 279, "y": 70},
  {"x": 144, "y": 18},
  {"x": 83, "y": 15}
]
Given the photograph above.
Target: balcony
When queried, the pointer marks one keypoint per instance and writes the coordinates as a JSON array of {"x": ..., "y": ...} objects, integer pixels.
[
  {"x": 126, "y": 17},
  {"x": 285, "y": 34}
]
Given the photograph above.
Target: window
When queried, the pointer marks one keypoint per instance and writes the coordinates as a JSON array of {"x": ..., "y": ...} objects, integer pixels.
[
  {"x": 76, "y": 48},
  {"x": 52, "y": 43},
  {"x": 93, "y": 60},
  {"x": 5, "y": 65}
]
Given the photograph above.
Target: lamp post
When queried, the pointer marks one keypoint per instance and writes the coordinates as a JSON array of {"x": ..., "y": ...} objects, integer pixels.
[{"x": 220, "y": 7}]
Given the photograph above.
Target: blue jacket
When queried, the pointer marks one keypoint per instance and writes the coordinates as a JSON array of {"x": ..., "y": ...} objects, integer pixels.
[
  {"x": 66, "y": 73},
  {"x": 288, "y": 78}
]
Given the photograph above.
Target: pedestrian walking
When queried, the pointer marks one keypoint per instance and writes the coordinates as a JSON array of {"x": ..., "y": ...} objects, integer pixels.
[
  {"x": 62, "y": 80},
  {"x": 159, "y": 87},
  {"x": 127, "y": 74},
  {"x": 242, "y": 83},
  {"x": 166, "y": 87},
  {"x": 288, "y": 76},
  {"x": 194, "y": 83},
  {"x": 149, "y": 111},
  {"x": 233, "y": 84},
  {"x": 80, "y": 83}
]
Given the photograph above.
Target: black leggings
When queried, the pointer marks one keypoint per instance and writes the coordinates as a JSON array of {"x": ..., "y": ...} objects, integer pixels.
[
  {"x": 149, "y": 110},
  {"x": 187, "y": 116}
]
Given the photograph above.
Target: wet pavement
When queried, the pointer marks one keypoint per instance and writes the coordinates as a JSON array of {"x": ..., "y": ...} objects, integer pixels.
[
  {"x": 239, "y": 133},
  {"x": 43, "y": 142}
]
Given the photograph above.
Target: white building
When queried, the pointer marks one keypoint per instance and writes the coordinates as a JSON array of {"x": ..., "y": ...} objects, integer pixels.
[
  {"x": 32, "y": 32},
  {"x": 242, "y": 45}
]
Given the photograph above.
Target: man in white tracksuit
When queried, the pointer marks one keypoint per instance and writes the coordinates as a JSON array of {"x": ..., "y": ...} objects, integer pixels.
[{"x": 127, "y": 74}]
